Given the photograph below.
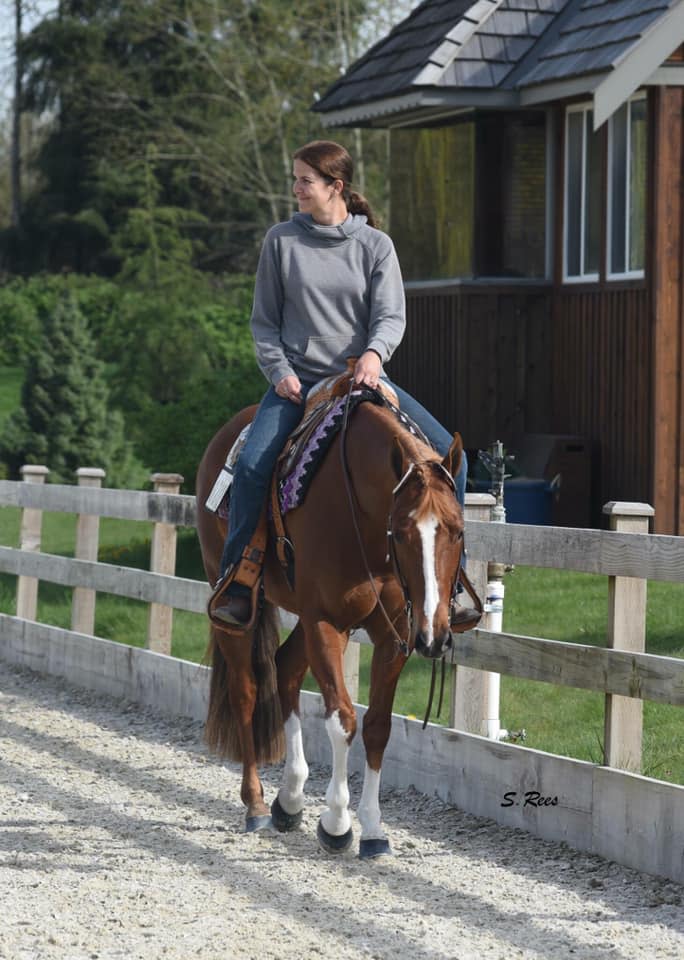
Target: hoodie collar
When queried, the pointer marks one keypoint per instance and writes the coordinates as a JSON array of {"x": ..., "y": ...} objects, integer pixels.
[{"x": 340, "y": 231}]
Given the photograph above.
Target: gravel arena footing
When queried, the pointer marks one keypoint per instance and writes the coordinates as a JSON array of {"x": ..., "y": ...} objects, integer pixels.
[{"x": 120, "y": 837}]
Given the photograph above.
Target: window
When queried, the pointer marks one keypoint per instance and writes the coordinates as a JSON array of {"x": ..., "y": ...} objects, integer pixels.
[
  {"x": 627, "y": 191},
  {"x": 431, "y": 207},
  {"x": 468, "y": 199},
  {"x": 510, "y": 196},
  {"x": 582, "y": 195}
]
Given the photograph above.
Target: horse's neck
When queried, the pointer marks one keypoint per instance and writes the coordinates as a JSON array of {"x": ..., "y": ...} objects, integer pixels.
[{"x": 372, "y": 443}]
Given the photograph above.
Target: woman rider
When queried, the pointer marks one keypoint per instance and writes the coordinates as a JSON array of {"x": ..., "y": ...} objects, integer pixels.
[{"x": 328, "y": 286}]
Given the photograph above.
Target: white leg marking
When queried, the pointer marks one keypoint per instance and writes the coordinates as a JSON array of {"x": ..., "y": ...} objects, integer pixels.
[
  {"x": 369, "y": 807},
  {"x": 336, "y": 819},
  {"x": 428, "y": 530},
  {"x": 291, "y": 793}
]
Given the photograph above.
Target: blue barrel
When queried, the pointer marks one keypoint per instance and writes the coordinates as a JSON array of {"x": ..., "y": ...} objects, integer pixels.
[{"x": 526, "y": 500}]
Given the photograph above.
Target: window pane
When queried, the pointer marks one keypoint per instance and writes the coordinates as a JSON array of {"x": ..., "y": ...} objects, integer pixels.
[
  {"x": 523, "y": 206},
  {"x": 637, "y": 185},
  {"x": 431, "y": 201},
  {"x": 510, "y": 203},
  {"x": 592, "y": 198},
  {"x": 618, "y": 196},
  {"x": 573, "y": 193}
]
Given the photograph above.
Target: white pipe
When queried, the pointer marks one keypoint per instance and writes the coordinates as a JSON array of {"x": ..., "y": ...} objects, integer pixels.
[{"x": 494, "y": 622}]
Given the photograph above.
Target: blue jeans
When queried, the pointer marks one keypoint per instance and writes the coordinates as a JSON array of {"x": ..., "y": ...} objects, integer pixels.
[{"x": 275, "y": 420}]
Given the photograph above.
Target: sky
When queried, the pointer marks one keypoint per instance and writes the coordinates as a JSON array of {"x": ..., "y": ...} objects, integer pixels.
[{"x": 34, "y": 11}]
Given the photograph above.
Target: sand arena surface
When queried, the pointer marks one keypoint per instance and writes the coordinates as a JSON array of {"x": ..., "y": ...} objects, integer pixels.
[{"x": 121, "y": 838}]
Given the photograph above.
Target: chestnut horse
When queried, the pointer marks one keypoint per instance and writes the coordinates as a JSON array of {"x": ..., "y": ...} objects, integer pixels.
[{"x": 388, "y": 564}]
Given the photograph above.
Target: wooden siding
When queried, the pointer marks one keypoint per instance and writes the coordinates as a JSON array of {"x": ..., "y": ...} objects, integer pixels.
[
  {"x": 476, "y": 357},
  {"x": 602, "y": 385},
  {"x": 497, "y": 363}
]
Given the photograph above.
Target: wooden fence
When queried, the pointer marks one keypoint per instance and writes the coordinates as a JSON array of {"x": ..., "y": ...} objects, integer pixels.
[{"x": 611, "y": 811}]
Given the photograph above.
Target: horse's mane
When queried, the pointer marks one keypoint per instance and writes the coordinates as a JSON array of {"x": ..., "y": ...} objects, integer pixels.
[{"x": 434, "y": 494}]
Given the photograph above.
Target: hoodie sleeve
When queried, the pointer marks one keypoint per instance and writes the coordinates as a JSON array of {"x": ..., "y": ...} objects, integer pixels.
[
  {"x": 267, "y": 314},
  {"x": 387, "y": 306}
]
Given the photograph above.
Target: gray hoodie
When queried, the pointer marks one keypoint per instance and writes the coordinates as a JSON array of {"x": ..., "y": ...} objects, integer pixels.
[{"x": 325, "y": 293}]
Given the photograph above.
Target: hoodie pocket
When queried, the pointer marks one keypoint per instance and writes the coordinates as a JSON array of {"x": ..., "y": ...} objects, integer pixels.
[{"x": 333, "y": 351}]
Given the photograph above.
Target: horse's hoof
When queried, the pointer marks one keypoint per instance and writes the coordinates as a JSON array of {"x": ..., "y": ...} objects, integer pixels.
[
  {"x": 332, "y": 844},
  {"x": 374, "y": 848},
  {"x": 283, "y": 821},
  {"x": 253, "y": 824}
]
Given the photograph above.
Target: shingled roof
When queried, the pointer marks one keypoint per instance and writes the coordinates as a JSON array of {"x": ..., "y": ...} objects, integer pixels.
[{"x": 456, "y": 54}]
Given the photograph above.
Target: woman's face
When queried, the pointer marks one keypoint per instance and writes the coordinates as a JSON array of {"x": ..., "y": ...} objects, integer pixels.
[{"x": 314, "y": 194}]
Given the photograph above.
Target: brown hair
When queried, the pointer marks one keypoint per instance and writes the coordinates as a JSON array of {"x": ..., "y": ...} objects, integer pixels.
[{"x": 334, "y": 162}]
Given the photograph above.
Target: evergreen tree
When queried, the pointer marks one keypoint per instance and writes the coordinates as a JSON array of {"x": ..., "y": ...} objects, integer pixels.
[
  {"x": 211, "y": 98},
  {"x": 65, "y": 421}
]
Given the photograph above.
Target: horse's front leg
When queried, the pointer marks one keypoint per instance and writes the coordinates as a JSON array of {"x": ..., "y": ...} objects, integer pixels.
[
  {"x": 386, "y": 666},
  {"x": 325, "y": 648},
  {"x": 292, "y": 664}
]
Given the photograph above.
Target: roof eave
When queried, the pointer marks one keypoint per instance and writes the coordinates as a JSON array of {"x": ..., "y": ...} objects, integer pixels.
[
  {"x": 418, "y": 105},
  {"x": 560, "y": 89},
  {"x": 638, "y": 64}
]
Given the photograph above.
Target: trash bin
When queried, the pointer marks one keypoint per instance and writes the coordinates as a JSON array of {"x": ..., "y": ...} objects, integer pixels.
[
  {"x": 563, "y": 461},
  {"x": 526, "y": 499}
]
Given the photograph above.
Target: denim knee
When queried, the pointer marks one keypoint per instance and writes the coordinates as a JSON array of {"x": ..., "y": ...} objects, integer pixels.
[{"x": 251, "y": 474}]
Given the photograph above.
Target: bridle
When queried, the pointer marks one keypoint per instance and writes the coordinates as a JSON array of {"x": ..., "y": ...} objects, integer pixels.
[
  {"x": 402, "y": 644},
  {"x": 391, "y": 555}
]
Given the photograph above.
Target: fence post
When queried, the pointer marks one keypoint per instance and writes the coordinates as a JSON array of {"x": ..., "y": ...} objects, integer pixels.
[
  {"x": 351, "y": 668},
  {"x": 163, "y": 560},
  {"x": 626, "y": 631},
  {"x": 87, "y": 541},
  {"x": 29, "y": 539},
  {"x": 469, "y": 706}
]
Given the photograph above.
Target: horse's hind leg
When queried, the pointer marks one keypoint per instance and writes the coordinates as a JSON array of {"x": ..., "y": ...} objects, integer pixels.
[
  {"x": 386, "y": 666},
  {"x": 229, "y": 729},
  {"x": 325, "y": 649},
  {"x": 292, "y": 664}
]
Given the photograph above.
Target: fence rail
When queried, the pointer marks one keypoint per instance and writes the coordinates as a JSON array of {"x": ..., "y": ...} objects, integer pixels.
[{"x": 483, "y": 770}]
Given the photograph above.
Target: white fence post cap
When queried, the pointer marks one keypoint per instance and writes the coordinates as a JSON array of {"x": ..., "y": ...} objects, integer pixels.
[
  {"x": 627, "y": 509},
  {"x": 33, "y": 470},
  {"x": 167, "y": 478},
  {"x": 479, "y": 500},
  {"x": 93, "y": 472}
]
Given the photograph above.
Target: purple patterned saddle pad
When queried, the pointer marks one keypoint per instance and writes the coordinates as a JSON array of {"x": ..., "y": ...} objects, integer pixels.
[{"x": 299, "y": 467}]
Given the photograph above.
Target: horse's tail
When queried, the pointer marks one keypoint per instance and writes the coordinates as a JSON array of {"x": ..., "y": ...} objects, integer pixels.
[{"x": 221, "y": 731}]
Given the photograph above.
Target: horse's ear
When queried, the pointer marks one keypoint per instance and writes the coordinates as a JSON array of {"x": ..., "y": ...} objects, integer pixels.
[
  {"x": 452, "y": 461},
  {"x": 400, "y": 459}
]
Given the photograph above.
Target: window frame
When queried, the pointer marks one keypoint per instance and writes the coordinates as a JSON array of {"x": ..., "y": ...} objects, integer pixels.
[
  {"x": 625, "y": 274},
  {"x": 594, "y": 277}
]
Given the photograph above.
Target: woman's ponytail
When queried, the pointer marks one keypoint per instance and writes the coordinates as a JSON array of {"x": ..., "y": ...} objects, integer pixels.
[{"x": 357, "y": 203}]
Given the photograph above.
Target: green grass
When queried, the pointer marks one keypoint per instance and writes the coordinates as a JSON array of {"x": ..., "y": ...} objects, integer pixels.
[{"x": 557, "y": 605}]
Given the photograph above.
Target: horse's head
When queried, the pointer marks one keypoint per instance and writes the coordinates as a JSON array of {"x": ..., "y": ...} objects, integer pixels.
[{"x": 426, "y": 540}]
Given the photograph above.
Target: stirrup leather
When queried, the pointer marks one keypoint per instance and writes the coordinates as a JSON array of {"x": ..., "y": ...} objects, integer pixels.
[{"x": 248, "y": 572}]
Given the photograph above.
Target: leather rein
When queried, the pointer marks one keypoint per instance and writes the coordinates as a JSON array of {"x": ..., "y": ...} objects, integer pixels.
[{"x": 403, "y": 645}]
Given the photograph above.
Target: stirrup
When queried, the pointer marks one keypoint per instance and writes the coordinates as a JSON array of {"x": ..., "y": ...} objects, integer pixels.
[{"x": 219, "y": 592}]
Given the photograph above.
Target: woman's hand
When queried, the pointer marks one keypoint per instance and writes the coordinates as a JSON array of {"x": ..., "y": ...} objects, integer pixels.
[
  {"x": 367, "y": 369},
  {"x": 289, "y": 388}
]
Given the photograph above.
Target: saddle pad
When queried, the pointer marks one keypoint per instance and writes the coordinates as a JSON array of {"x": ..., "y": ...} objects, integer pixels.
[{"x": 296, "y": 477}]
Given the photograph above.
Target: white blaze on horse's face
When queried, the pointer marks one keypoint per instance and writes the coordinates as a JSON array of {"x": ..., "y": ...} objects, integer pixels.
[
  {"x": 426, "y": 531},
  {"x": 427, "y": 528}
]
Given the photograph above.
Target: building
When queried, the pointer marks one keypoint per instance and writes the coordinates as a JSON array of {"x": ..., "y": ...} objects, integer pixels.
[{"x": 537, "y": 149}]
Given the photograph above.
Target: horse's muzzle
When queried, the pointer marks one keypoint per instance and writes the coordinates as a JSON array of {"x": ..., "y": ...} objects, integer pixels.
[{"x": 436, "y": 649}]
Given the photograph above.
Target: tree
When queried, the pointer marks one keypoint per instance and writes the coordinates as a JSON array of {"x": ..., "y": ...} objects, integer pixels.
[
  {"x": 65, "y": 420},
  {"x": 211, "y": 96}
]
